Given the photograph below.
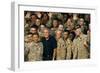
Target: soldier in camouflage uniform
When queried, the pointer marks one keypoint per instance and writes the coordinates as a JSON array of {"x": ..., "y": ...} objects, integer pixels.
[
  {"x": 27, "y": 45},
  {"x": 55, "y": 25},
  {"x": 61, "y": 49},
  {"x": 80, "y": 47},
  {"x": 68, "y": 44},
  {"x": 83, "y": 26},
  {"x": 36, "y": 50}
]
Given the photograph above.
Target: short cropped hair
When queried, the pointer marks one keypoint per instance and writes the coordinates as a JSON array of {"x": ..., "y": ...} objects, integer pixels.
[
  {"x": 34, "y": 26},
  {"x": 67, "y": 31},
  {"x": 36, "y": 34}
]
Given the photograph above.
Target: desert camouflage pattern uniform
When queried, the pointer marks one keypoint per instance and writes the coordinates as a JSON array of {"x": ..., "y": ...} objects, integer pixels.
[
  {"x": 27, "y": 47},
  {"x": 79, "y": 50},
  {"x": 36, "y": 51},
  {"x": 61, "y": 49},
  {"x": 68, "y": 44}
]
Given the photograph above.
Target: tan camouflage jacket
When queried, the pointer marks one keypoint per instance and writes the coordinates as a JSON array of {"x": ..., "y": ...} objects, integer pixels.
[
  {"x": 61, "y": 49},
  {"x": 79, "y": 49}
]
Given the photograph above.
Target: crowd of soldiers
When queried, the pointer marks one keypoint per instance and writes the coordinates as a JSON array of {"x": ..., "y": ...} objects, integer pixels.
[{"x": 56, "y": 36}]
